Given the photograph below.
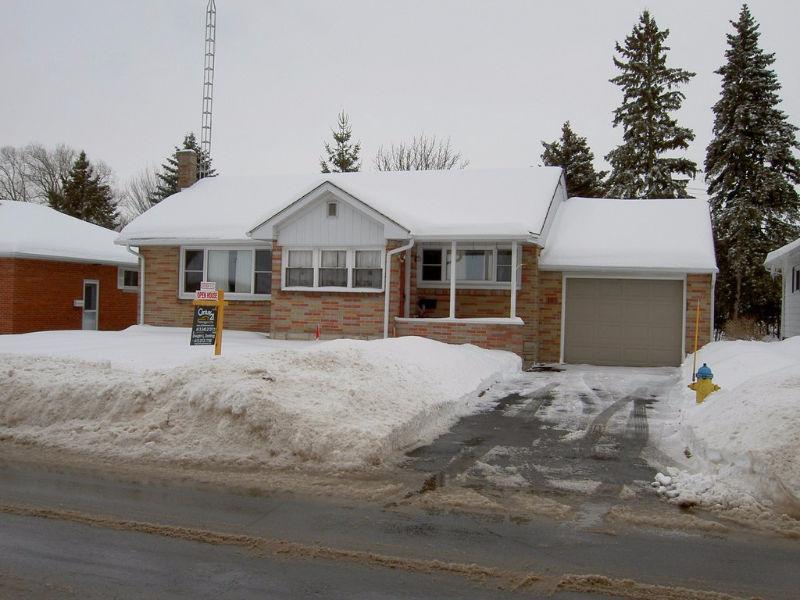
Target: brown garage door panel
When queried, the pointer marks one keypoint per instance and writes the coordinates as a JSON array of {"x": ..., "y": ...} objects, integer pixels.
[{"x": 633, "y": 322}]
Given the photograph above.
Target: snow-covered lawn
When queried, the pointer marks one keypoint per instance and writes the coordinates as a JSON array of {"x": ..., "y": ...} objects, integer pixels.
[
  {"x": 144, "y": 394},
  {"x": 740, "y": 449}
]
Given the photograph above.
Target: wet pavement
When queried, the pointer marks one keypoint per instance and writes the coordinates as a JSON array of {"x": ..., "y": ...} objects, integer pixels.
[{"x": 594, "y": 455}]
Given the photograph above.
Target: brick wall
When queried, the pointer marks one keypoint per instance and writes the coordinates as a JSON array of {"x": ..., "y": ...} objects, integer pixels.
[
  {"x": 6, "y": 295},
  {"x": 163, "y": 307},
  {"x": 486, "y": 335},
  {"x": 549, "y": 323},
  {"x": 698, "y": 287},
  {"x": 42, "y": 292},
  {"x": 339, "y": 314},
  {"x": 477, "y": 303}
]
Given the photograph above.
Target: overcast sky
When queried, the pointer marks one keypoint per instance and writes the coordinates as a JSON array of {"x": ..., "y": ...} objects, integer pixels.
[{"x": 123, "y": 79}]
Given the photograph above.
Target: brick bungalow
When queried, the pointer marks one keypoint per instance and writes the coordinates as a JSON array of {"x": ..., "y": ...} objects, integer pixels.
[
  {"x": 58, "y": 272},
  {"x": 368, "y": 255}
]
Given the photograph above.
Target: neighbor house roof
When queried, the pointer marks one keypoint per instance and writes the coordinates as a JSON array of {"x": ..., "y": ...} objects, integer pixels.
[
  {"x": 774, "y": 258},
  {"x": 594, "y": 234},
  {"x": 502, "y": 202},
  {"x": 29, "y": 230}
]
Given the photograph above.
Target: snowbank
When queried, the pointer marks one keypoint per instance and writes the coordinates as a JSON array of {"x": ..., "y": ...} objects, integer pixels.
[
  {"x": 335, "y": 405},
  {"x": 743, "y": 441}
]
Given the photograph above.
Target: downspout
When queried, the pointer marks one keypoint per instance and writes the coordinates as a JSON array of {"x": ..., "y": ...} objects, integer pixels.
[
  {"x": 388, "y": 280},
  {"x": 141, "y": 282}
]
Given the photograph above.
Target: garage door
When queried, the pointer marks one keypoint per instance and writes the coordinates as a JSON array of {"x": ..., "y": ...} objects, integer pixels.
[{"x": 629, "y": 322}]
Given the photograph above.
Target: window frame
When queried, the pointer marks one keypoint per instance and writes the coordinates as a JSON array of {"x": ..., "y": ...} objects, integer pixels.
[
  {"x": 184, "y": 295},
  {"x": 795, "y": 280},
  {"x": 316, "y": 262},
  {"x": 121, "y": 279},
  {"x": 444, "y": 282}
]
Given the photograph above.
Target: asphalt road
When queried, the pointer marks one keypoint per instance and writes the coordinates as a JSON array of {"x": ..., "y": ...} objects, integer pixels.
[{"x": 62, "y": 555}]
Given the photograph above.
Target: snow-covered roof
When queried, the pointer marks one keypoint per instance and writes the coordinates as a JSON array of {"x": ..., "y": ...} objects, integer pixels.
[
  {"x": 502, "y": 202},
  {"x": 596, "y": 234},
  {"x": 29, "y": 230},
  {"x": 774, "y": 257}
]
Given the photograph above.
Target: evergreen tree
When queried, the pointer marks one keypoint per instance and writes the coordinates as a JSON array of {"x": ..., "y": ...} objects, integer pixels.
[
  {"x": 571, "y": 153},
  {"x": 343, "y": 155},
  {"x": 639, "y": 168},
  {"x": 83, "y": 195},
  {"x": 751, "y": 170},
  {"x": 168, "y": 177}
]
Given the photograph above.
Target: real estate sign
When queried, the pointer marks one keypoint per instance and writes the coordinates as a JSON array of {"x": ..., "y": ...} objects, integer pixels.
[{"x": 204, "y": 326}]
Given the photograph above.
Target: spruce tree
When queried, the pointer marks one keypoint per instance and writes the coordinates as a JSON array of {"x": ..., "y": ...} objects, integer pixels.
[
  {"x": 571, "y": 152},
  {"x": 168, "y": 177},
  {"x": 84, "y": 196},
  {"x": 751, "y": 170},
  {"x": 639, "y": 167},
  {"x": 343, "y": 155}
]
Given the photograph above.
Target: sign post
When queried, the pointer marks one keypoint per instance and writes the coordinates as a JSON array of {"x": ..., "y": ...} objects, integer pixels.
[{"x": 209, "y": 316}]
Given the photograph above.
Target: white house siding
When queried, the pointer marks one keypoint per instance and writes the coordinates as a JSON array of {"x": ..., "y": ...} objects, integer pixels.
[
  {"x": 791, "y": 301},
  {"x": 313, "y": 227}
]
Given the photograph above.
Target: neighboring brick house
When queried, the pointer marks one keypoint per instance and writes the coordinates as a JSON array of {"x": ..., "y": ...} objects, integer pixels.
[
  {"x": 368, "y": 255},
  {"x": 58, "y": 272}
]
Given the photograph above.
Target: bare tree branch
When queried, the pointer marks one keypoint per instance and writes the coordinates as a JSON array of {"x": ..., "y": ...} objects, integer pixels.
[{"x": 422, "y": 154}]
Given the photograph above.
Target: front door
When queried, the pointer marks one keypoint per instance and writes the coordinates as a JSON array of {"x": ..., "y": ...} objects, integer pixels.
[{"x": 91, "y": 291}]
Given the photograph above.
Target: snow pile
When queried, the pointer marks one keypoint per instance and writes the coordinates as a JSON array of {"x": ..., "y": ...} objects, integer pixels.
[
  {"x": 739, "y": 449},
  {"x": 336, "y": 405}
]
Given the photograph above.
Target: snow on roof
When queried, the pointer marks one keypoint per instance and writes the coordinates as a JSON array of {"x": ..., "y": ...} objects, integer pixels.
[
  {"x": 606, "y": 233},
  {"x": 36, "y": 231},
  {"x": 774, "y": 256},
  {"x": 502, "y": 202}
]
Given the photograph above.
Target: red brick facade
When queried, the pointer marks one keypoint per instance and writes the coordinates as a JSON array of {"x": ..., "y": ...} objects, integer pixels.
[
  {"x": 497, "y": 336},
  {"x": 162, "y": 306},
  {"x": 38, "y": 295},
  {"x": 698, "y": 287},
  {"x": 295, "y": 315}
]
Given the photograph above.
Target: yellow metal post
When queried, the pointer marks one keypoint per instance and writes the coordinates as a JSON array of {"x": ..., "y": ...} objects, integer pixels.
[
  {"x": 220, "y": 319},
  {"x": 696, "y": 332}
]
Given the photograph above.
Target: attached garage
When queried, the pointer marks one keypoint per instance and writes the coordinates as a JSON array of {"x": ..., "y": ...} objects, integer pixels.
[{"x": 625, "y": 322}]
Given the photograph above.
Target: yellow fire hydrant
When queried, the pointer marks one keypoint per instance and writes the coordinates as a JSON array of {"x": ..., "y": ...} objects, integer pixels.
[{"x": 704, "y": 384}]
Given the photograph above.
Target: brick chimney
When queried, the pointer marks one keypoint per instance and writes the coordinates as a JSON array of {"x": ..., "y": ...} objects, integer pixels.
[{"x": 187, "y": 168}]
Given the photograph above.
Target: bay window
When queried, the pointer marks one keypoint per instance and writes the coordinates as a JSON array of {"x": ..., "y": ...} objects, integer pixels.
[
  {"x": 243, "y": 273},
  {"x": 476, "y": 266},
  {"x": 335, "y": 269}
]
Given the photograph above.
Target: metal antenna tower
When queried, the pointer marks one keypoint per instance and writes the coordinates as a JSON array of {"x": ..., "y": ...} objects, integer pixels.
[{"x": 208, "y": 82}]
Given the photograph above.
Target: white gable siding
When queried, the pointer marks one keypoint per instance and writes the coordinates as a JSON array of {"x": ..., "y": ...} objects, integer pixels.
[
  {"x": 313, "y": 227},
  {"x": 791, "y": 301}
]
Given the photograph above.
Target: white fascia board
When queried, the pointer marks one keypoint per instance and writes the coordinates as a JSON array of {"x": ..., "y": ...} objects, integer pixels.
[
  {"x": 467, "y": 237},
  {"x": 559, "y": 195},
  {"x": 72, "y": 259},
  {"x": 266, "y": 229},
  {"x": 189, "y": 242},
  {"x": 632, "y": 271}
]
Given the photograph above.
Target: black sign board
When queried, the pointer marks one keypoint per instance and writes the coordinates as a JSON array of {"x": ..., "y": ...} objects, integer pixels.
[{"x": 204, "y": 326}]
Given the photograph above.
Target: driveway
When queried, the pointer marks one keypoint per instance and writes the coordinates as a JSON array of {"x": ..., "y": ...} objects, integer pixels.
[{"x": 575, "y": 432}]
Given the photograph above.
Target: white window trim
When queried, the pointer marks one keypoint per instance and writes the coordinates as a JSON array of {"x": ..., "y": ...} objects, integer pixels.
[
  {"x": 228, "y": 295},
  {"x": 490, "y": 284},
  {"x": 793, "y": 280},
  {"x": 121, "y": 279},
  {"x": 316, "y": 261}
]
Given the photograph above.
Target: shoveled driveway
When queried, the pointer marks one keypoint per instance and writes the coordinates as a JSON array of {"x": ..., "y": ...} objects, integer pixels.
[{"x": 575, "y": 433}]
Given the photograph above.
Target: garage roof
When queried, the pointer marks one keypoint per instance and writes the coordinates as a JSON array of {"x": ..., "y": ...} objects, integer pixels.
[
  {"x": 29, "y": 230},
  {"x": 502, "y": 202},
  {"x": 607, "y": 234}
]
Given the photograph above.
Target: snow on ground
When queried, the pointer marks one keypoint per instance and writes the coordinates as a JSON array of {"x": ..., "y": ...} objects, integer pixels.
[
  {"x": 743, "y": 441},
  {"x": 138, "y": 347},
  {"x": 331, "y": 405}
]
